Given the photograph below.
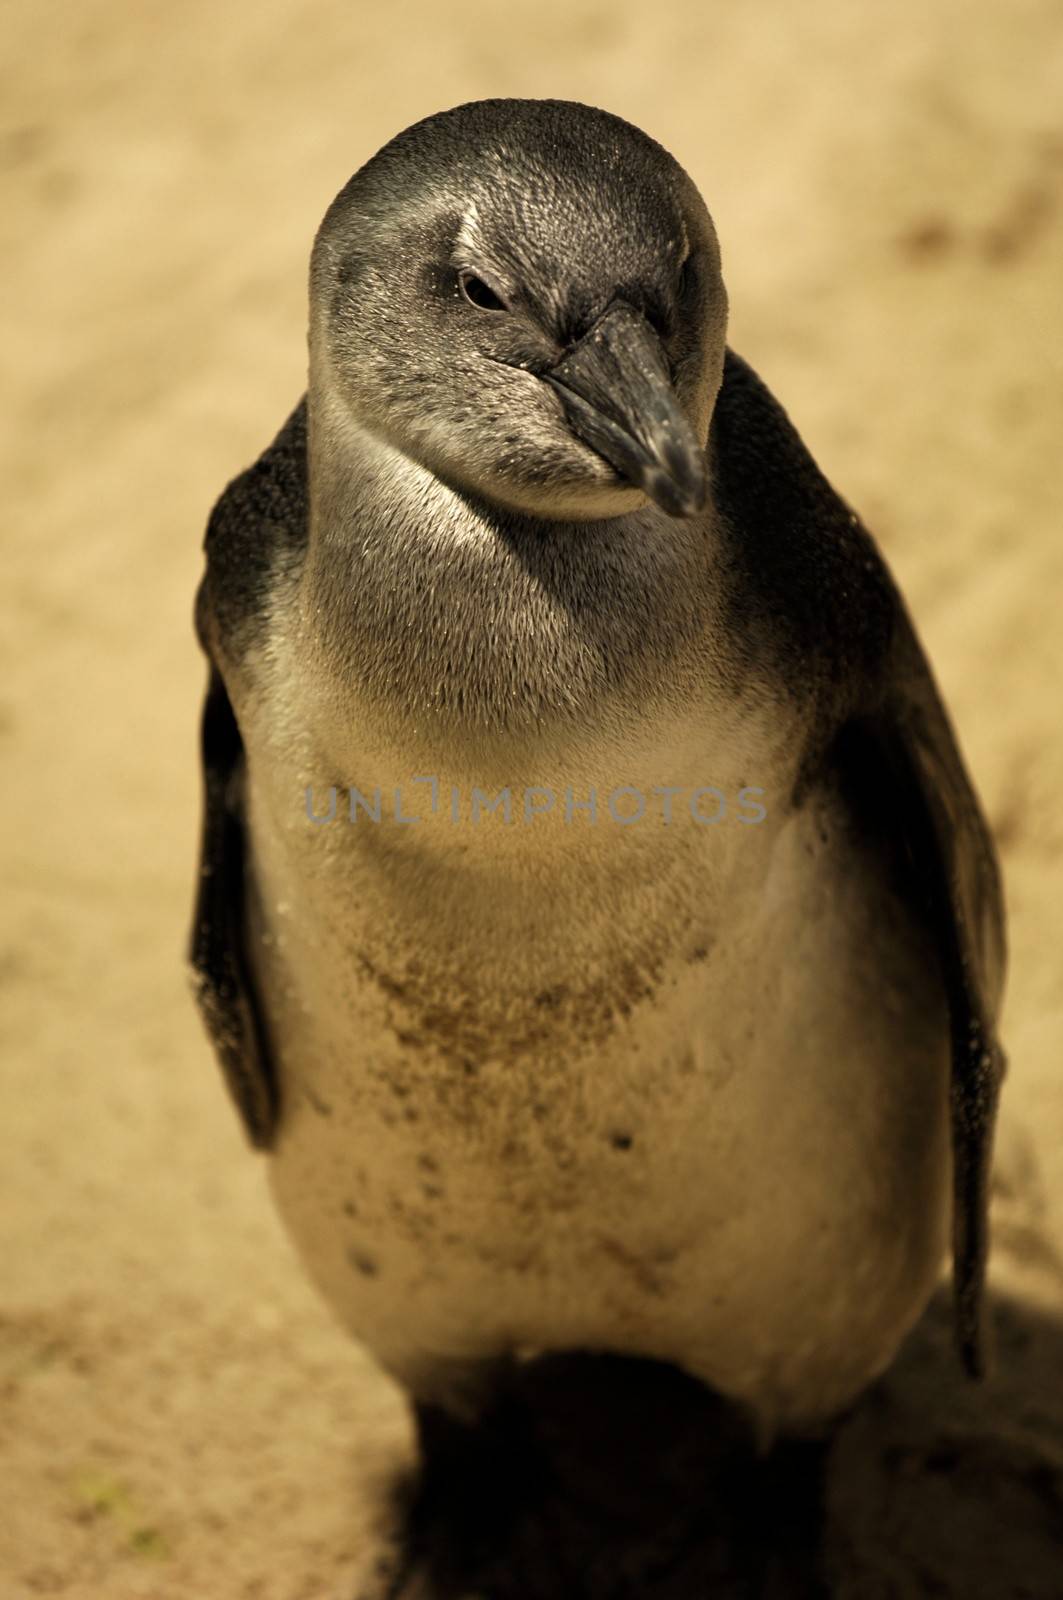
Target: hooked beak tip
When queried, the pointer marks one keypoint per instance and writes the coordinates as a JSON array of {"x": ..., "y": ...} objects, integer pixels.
[{"x": 679, "y": 485}]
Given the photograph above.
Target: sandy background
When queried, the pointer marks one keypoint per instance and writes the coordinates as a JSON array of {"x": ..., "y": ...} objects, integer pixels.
[{"x": 179, "y": 1416}]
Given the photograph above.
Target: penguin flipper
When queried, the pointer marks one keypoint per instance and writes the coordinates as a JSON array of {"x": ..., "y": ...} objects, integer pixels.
[
  {"x": 217, "y": 953},
  {"x": 907, "y": 749},
  {"x": 257, "y": 528}
]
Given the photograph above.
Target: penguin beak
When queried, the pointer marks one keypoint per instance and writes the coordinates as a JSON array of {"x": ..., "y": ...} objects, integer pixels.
[{"x": 617, "y": 393}]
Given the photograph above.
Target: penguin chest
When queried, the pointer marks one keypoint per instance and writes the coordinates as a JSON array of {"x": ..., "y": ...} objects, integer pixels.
[{"x": 684, "y": 1102}]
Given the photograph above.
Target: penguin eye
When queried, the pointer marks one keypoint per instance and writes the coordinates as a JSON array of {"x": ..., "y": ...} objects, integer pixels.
[{"x": 480, "y": 294}]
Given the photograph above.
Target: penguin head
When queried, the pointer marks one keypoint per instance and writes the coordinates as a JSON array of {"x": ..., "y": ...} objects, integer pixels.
[{"x": 524, "y": 296}]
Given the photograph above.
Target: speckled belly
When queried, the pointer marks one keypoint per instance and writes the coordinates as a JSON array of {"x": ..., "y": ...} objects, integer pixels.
[{"x": 706, "y": 1124}]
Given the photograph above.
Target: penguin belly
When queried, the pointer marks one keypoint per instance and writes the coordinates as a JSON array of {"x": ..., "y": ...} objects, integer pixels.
[{"x": 685, "y": 1099}]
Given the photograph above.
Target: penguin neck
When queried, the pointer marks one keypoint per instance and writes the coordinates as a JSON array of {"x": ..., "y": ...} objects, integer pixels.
[{"x": 485, "y": 627}]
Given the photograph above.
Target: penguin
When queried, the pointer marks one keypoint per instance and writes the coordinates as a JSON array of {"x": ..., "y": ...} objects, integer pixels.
[{"x": 615, "y": 1067}]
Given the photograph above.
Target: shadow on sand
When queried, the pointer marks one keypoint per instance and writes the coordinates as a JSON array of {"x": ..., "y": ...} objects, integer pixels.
[{"x": 599, "y": 1478}]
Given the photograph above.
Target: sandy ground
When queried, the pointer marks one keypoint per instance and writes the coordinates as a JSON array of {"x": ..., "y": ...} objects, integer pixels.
[{"x": 180, "y": 1417}]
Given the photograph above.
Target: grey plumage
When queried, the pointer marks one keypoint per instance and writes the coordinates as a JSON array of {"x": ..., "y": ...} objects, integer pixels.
[{"x": 457, "y": 558}]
